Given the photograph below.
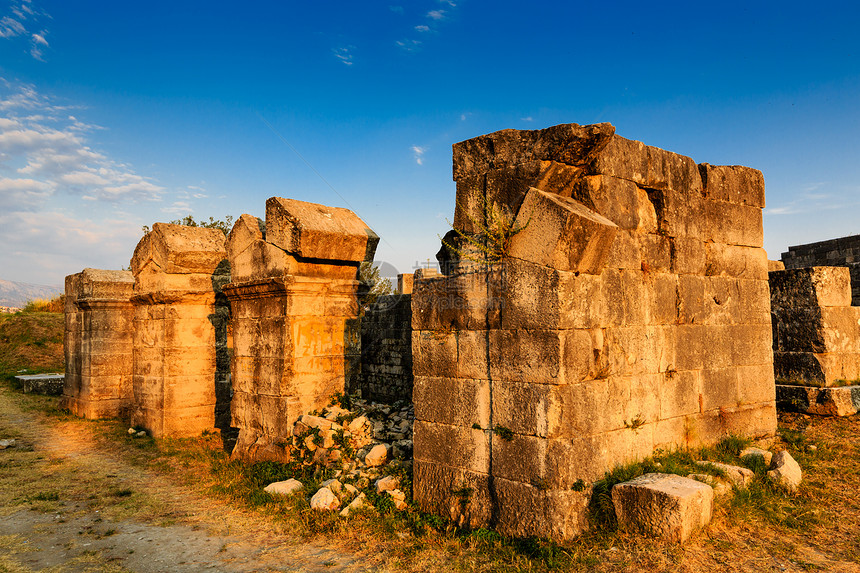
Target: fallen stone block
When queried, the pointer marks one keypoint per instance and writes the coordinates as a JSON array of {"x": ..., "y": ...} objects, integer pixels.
[
  {"x": 377, "y": 455},
  {"x": 740, "y": 477},
  {"x": 667, "y": 506},
  {"x": 47, "y": 384},
  {"x": 357, "y": 503},
  {"x": 387, "y": 483},
  {"x": 786, "y": 471},
  {"x": 324, "y": 500},
  {"x": 720, "y": 487},
  {"x": 10, "y": 443},
  {"x": 287, "y": 487}
]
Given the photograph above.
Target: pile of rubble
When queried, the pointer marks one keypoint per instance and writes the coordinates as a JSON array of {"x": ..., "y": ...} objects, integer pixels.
[{"x": 363, "y": 446}]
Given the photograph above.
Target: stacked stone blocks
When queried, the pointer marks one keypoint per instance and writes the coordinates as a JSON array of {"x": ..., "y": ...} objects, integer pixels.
[
  {"x": 816, "y": 331},
  {"x": 841, "y": 252},
  {"x": 386, "y": 349},
  {"x": 630, "y": 312},
  {"x": 98, "y": 343},
  {"x": 294, "y": 317},
  {"x": 178, "y": 316}
]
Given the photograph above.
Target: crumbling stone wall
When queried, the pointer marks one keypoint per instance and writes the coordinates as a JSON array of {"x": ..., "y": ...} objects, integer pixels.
[
  {"x": 816, "y": 331},
  {"x": 295, "y": 317},
  {"x": 842, "y": 252},
  {"x": 386, "y": 349},
  {"x": 630, "y": 312},
  {"x": 180, "y": 360},
  {"x": 98, "y": 343}
]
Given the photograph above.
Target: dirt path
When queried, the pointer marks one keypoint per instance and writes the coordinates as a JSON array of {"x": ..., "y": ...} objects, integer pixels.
[{"x": 83, "y": 528}]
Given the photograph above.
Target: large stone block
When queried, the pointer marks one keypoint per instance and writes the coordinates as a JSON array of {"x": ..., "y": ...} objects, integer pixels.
[
  {"x": 666, "y": 506},
  {"x": 733, "y": 183},
  {"x": 529, "y": 511},
  {"x": 561, "y": 233},
  {"x": 177, "y": 249},
  {"x": 570, "y": 144},
  {"x": 314, "y": 231}
]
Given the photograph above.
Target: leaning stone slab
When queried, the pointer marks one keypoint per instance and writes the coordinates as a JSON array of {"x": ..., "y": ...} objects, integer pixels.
[
  {"x": 667, "y": 506},
  {"x": 786, "y": 471},
  {"x": 740, "y": 477},
  {"x": 838, "y": 401},
  {"x": 48, "y": 384}
]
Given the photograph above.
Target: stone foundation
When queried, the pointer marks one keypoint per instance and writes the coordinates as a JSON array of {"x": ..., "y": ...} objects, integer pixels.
[
  {"x": 816, "y": 331},
  {"x": 179, "y": 329},
  {"x": 98, "y": 343},
  {"x": 630, "y": 311},
  {"x": 295, "y": 317}
]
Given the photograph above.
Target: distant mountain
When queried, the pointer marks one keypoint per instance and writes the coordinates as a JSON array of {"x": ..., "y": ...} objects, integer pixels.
[{"x": 19, "y": 294}]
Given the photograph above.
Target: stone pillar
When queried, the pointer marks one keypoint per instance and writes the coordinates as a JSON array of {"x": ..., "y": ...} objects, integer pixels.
[
  {"x": 603, "y": 298},
  {"x": 294, "y": 316},
  {"x": 98, "y": 343},
  {"x": 178, "y": 272}
]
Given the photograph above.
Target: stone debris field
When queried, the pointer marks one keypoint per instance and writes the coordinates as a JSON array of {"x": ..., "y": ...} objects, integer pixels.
[{"x": 597, "y": 300}]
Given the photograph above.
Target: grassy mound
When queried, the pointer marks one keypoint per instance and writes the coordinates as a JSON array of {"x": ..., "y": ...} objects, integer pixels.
[{"x": 31, "y": 341}]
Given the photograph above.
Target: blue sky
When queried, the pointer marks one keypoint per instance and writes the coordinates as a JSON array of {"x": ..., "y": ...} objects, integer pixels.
[{"x": 115, "y": 115}]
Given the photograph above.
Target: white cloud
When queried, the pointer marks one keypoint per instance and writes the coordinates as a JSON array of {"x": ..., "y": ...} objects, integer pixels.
[
  {"x": 408, "y": 45},
  {"x": 418, "y": 154},
  {"x": 422, "y": 28},
  {"x": 54, "y": 150},
  {"x": 22, "y": 21},
  {"x": 344, "y": 55},
  {"x": 448, "y": 2},
  {"x": 436, "y": 14},
  {"x": 529, "y": 118}
]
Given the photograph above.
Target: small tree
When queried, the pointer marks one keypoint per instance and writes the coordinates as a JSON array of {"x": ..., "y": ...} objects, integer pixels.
[
  {"x": 223, "y": 225},
  {"x": 372, "y": 285}
]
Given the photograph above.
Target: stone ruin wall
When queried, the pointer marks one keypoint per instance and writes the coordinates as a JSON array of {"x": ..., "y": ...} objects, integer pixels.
[
  {"x": 98, "y": 343},
  {"x": 631, "y": 312},
  {"x": 180, "y": 353},
  {"x": 816, "y": 330},
  {"x": 295, "y": 317},
  {"x": 842, "y": 252},
  {"x": 386, "y": 348}
]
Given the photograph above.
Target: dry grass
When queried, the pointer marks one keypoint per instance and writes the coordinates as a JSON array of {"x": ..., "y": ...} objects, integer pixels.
[{"x": 763, "y": 529}]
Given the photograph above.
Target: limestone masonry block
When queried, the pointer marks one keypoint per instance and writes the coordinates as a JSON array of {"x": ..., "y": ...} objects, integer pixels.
[
  {"x": 98, "y": 343},
  {"x": 630, "y": 311},
  {"x": 180, "y": 339},
  {"x": 313, "y": 231},
  {"x": 816, "y": 331},
  {"x": 562, "y": 234},
  {"x": 666, "y": 506},
  {"x": 296, "y": 339}
]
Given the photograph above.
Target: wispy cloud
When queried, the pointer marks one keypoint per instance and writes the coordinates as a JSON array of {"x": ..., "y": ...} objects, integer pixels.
[
  {"x": 418, "y": 154},
  {"x": 409, "y": 45},
  {"x": 23, "y": 23},
  {"x": 528, "y": 118},
  {"x": 422, "y": 28},
  {"x": 809, "y": 200},
  {"x": 344, "y": 54},
  {"x": 436, "y": 14}
]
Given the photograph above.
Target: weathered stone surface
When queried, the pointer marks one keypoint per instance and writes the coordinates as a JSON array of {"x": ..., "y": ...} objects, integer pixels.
[
  {"x": 738, "y": 476},
  {"x": 666, "y": 506},
  {"x": 314, "y": 231},
  {"x": 733, "y": 183},
  {"x": 7, "y": 443},
  {"x": 786, "y": 472},
  {"x": 359, "y": 502},
  {"x": 296, "y": 338},
  {"x": 833, "y": 401},
  {"x": 98, "y": 343},
  {"x": 324, "y": 500},
  {"x": 387, "y": 483},
  {"x": 47, "y": 384},
  {"x": 386, "y": 349},
  {"x": 775, "y": 266},
  {"x": 287, "y": 487},
  {"x": 541, "y": 373},
  {"x": 377, "y": 456},
  {"x": 841, "y": 252},
  {"x": 561, "y": 233},
  {"x": 816, "y": 333},
  {"x": 181, "y": 362}
]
